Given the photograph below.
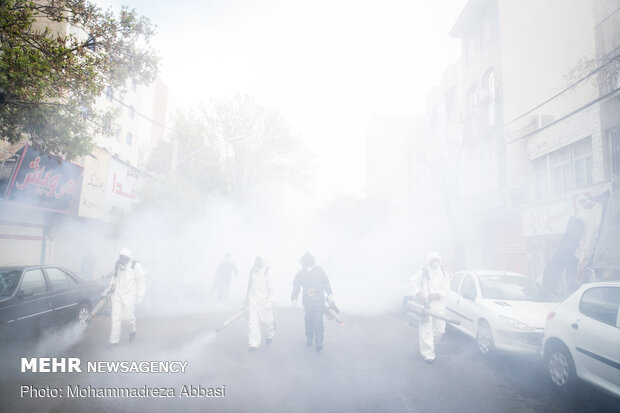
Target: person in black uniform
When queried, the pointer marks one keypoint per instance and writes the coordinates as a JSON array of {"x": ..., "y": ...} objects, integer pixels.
[
  {"x": 225, "y": 271},
  {"x": 315, "y": 284}
]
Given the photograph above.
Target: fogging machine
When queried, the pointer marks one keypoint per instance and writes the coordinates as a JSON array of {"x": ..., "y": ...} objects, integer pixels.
[
  {"x": 416, "y": 310},
  {"x": 237, "y": 315},
  {"x": 332, "y": 312},
  {"x": 103, "y": 301}
]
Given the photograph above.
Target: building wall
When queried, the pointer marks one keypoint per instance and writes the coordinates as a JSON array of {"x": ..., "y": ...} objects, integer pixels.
[
  {"x": 586, "y": 123},
  {"x": 21, "y": 235},
  {"x": 135, "y": 118},
  {"x": 541, "y": 43}
]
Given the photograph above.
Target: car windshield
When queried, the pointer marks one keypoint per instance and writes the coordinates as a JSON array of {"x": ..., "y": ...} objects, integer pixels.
[
  {"x": 8, "y": 281},
  {"x": 510, "y": 287}
]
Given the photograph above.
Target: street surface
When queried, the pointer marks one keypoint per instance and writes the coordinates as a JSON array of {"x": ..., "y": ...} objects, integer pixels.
[{"x": 371, "y": 364}]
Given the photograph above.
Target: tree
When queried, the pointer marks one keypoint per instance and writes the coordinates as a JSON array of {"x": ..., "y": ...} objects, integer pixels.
[
  {"x": 232, "y": 148},
  {"x": 255, "y": 144},
  {"x": 56, "y": 58}
]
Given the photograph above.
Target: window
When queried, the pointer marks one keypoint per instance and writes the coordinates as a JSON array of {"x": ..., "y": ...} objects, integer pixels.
[
  {"x": 107, "y": 125},
  {"x": 487, "y": 31},
  {"x": 488, "y": 159},
  {"x": 490, "y": 85},
  {"x": 582, "y": 160},
  {"x": 540, "y": 187},
  {"x": 85, "y": 112},
  {"x": 131, "y": 83},
  {"x": 8, "y": 282},
  {"x": 513, "y": 288},
  {"x": 58, "y": 278},
  {"x": 129, "y": 138},
  {"x": 468, "y": 287},
  {"x": 601, "y": 303},
  {"x": 109, "y": 93},
  {"x": 33, "y": 283},
  {"x": 614, "y": 150},
  {"x": 569, "y": 168},
  {"x": 472, "y": 98},
  {"x": 131, "y": 111},
  {"x": 451, "y": 105},
  {"x": 7, "y": 167},
  {"x": 456, "y": 280},
  {"x": 561, "y": 179}
]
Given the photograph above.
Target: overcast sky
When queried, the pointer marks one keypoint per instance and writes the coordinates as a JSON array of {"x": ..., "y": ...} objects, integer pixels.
[{"x": 326, "y": 64}]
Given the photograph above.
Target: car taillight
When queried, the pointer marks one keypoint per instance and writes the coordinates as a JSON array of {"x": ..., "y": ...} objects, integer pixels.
[{"x": 550, "y": 315}]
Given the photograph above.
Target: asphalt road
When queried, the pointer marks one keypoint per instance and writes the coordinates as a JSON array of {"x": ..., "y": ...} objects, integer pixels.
[{"x": 371, "y": 364}]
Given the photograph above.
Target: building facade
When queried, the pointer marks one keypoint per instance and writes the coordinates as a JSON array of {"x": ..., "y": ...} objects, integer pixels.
[{"x": 533, "y": 133}]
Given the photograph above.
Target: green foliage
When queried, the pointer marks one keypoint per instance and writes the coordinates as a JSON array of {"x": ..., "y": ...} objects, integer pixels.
[
  {"x": 232, "y": 148},
  {"x": 56, "y": 58},
  {"x": 256, "y": 145}
]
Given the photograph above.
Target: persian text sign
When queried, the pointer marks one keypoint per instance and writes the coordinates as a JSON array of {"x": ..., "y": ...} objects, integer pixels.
[
  {"x": 44, "y": 181},
  {"x": 124, "y": 184}
]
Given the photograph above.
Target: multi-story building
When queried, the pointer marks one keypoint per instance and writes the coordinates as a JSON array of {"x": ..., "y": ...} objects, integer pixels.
[
  {"x": 56, "y": 217},
  {"x": 568, "y": 143},
  {"x": 530, "y": 137},
  {"x": 437, "y": 181}
]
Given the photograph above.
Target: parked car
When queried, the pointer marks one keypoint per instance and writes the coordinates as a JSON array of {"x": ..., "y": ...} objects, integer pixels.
[
  {"x": 39, "y": 296},
  {"x": 502, "y": 310},
  {"x": 582, "y": 338}
]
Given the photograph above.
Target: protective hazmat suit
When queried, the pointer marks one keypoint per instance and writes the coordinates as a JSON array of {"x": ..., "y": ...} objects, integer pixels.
[
  {"x": 261, "y": 294},
  {"x": 430, "y": 286},
  {"x": 128, "y": 288}
]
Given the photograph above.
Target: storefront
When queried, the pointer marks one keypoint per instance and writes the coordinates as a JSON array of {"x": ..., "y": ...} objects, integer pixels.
[
  {"x": 35, "y": 189},
  {"x": 545, "y": 226}
]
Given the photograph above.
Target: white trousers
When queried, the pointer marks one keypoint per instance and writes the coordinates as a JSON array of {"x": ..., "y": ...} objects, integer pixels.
[
  {"x": 260, "y": 314},
  {"x": 429, "y": 330},
  {"x": 122, "y": 311}
]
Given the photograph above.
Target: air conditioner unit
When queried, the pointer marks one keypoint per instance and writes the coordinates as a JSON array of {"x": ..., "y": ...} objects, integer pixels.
[{"x": 542, "y": 120}]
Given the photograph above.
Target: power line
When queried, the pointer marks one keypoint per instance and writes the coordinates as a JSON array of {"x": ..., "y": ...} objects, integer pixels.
[
  {"x": 164, "y": 126},
  {"x": 587, "y": 105},
  {"x": 593, "y": 72}
]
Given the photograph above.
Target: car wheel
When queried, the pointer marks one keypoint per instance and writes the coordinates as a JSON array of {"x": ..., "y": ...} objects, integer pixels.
[
  {"x": 560, "y": 366},
  {"x": 484, "y": 338},
  {"x": 83, "y": 312}
]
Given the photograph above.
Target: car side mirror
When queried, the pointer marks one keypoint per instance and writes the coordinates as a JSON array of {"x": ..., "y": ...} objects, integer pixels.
[{"x": 24, "y": 294}]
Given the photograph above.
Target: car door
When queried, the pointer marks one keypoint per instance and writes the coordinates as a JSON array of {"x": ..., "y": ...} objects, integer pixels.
[
  {"x": 465, "y": 308},
  {"x": 596, "y": 333},
  {"x": 453, "y": 294},
  {"x": 33, "y": 308},
  {"x": 64, "y": 294}
]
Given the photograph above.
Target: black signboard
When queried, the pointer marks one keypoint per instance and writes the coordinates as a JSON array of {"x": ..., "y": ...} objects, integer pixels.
[{"x": 44, "y": 181}]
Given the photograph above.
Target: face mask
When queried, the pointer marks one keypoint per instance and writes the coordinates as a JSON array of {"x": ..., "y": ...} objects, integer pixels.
[{"x": 124, "y": 259}]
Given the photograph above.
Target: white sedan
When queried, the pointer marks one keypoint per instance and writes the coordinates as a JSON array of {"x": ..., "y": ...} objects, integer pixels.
[
  {"x": 582, "y": 338},
  {"x": 502, "y": 310}
]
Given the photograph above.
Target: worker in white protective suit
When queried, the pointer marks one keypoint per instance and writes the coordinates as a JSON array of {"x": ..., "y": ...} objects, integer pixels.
[
  {"x": 127, "y": 288},
  {"x": 429, "y": 287},
  {"x": 261, "y": 294}
]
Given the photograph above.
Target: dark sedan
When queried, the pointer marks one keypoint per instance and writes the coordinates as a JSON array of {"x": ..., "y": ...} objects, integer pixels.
[{"x": 39, "y": 296}]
